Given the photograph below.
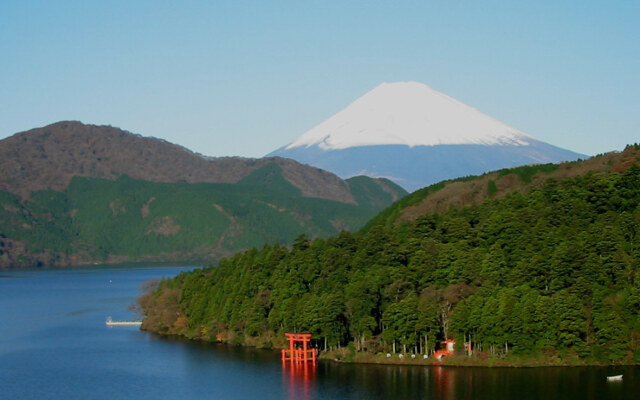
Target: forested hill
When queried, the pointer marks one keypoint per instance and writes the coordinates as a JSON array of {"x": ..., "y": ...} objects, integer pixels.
[
  {"x": 466, "y": 191},
  {"x": 550, "y": 273},
  {"x": 75, "y": 194},
  {"x": 48, "y": 158}
]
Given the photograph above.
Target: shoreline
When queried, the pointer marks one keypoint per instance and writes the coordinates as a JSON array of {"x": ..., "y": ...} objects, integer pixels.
[
  {"x": 80, "y": 267},
  {"x": 462, "y": 361},
  {"x": 482, "y": 360}
]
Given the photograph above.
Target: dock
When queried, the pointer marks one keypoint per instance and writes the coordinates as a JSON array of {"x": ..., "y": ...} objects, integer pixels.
[{"x": 111, "y": 322}]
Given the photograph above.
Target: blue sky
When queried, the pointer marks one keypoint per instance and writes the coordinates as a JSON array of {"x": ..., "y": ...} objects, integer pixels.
[{"x": 246, "y": 77}]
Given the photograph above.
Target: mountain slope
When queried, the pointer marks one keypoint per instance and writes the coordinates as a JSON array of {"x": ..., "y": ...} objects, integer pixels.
[
  {"x": 474, "y": 190},
  {"x": 74, "y": 194},
  {"x": 416, "y": 136}
]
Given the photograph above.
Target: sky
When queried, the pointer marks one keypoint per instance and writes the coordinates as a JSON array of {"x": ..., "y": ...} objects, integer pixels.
[{"x": 243, "y": 78}]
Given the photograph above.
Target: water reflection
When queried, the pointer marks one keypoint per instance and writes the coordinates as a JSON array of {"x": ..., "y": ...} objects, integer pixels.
[
  {"x": 444, "y": 382},
  {"x": 299, "y": 379},
  {"x": 228, "y": 369}
]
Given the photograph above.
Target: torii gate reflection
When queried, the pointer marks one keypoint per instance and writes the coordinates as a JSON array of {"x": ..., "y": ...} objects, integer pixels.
[{"x": 299, "y": 379}]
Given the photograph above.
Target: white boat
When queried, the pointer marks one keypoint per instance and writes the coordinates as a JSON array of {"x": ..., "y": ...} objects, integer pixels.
[{"x": 614, "y": 378}]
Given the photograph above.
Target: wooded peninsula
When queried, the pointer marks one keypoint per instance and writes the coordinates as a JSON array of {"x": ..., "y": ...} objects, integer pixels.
[{"x": 543, "y": 273}]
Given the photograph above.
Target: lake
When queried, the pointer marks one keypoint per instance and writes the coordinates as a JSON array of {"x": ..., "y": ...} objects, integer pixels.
[{"x": 54, "y": 344}]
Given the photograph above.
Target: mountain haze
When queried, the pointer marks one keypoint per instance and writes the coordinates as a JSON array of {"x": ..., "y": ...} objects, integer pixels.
[{"x": 416, "y": 136}]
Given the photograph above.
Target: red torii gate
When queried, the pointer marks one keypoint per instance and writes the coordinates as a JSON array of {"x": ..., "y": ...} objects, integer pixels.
[{"x": 294, "y": 352}]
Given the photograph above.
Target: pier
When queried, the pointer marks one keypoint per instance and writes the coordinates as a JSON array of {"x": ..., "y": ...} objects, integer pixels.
[{"x": 111, "y": 322}]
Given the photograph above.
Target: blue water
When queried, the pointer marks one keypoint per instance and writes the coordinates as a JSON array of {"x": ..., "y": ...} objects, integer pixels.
[{"x": 54, "y": 344}]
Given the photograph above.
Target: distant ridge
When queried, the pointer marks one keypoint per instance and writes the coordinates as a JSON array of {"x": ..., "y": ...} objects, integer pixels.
[
  {"x": 416, "y": 136},
  {"x": 48, "y": 157}
]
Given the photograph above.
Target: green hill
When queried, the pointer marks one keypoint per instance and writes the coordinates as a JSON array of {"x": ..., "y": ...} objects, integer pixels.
[
  {"x": 98, "y": 220},
  {"x": 68, "y": 197},
  {"x": 545, "y": 268}
]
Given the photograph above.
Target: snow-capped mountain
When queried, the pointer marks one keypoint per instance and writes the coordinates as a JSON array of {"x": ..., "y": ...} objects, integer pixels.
[{"x": 416, "y": 136}]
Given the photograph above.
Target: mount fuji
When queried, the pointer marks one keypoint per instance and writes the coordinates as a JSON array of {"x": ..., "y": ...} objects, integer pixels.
[{"x": 416, "y": 136}]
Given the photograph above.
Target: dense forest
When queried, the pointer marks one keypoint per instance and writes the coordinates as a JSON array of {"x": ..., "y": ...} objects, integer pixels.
[
  {"x": 553, "y": 271},
  {"x": 125, "y": 220}
]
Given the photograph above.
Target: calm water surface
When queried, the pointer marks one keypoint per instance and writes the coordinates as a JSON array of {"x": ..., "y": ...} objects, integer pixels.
[{"x": 54, "y": 344}]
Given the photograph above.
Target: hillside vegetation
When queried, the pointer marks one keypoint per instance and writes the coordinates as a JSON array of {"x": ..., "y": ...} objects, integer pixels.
[
  {"x": 75, "y": 194},
  {"x": 473, "y": 190},
  {"x": 550, "y": 273},
  {"x": 104, "y": 221}
]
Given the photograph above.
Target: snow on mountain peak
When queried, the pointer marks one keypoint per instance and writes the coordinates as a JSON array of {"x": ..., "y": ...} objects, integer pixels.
[{"x": 408, "y": 113}]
